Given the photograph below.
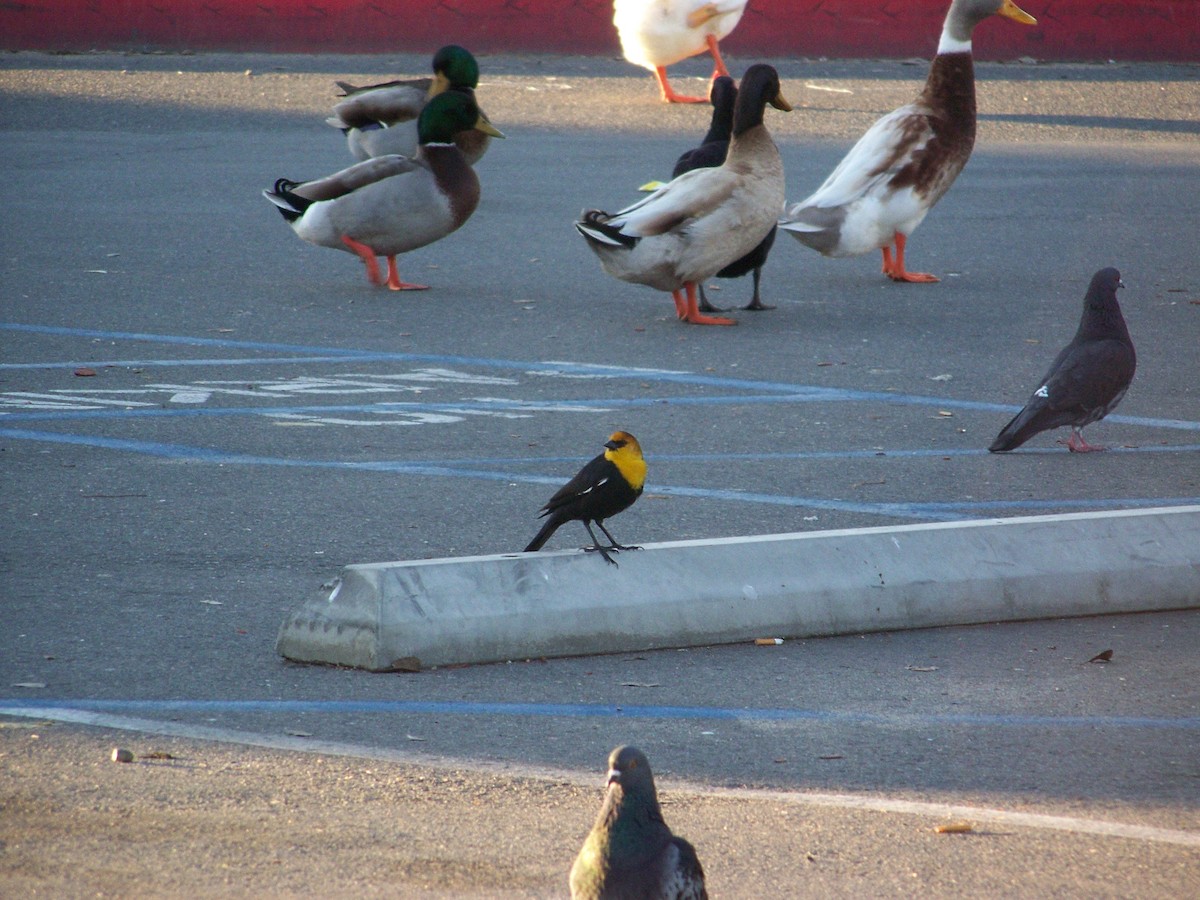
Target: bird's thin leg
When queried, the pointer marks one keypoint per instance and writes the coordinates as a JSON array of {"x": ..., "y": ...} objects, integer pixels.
[
  {"x": 1076, "y": 443},
  {"x": 898, "y": 272},
  {"x": 597, "y": 547},
  {"x": 705, "y": 306},
  {"x": 668, "y": 92},
  {"x": 718, "y": 63},
  {"x": 615, "y": 545},
  {"x": 367, "y": 255},
  {"x": 755, "y": 303},
  {"x": 394, "y": 281},
  {"x": 693, "y": 312},
  {"x": 680, "y": 305}
]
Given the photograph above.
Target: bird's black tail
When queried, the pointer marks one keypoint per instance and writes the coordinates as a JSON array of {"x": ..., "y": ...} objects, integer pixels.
[
  {"x": 290, "y": 205},
  {"x": 1023, "y": 426},
  {"x": 594, "y": 226},
  {"x": 539, "y": 540}
]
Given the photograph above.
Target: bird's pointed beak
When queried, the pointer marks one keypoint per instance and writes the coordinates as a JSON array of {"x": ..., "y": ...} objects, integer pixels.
[
  {"x": 1010, "y": 10},
  {"x": 482, "y": 124},
  {"x": 614, "y": 777},
  {"x": 780, "y": 102},
  {"x": 1120, "y": 283}
]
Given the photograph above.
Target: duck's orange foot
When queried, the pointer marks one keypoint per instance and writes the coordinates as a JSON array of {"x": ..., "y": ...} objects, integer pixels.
[
  {"x": 668, "y": 92},
  {"x": 894, "y": 269},
  {"x": 394, "y": 282},
  {"x": 691, "y": 312},
  {"x": 913, "y": 277},
  {"x": 698, "y": 318}
]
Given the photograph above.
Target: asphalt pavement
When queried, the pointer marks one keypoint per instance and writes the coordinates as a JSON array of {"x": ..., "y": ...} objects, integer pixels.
[{"x": 202, "y": 419}]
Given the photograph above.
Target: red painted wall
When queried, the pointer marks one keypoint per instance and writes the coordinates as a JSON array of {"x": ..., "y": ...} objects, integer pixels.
[{"x": 1067, "y": 29}]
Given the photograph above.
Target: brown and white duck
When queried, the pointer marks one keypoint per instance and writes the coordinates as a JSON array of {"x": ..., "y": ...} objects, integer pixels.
[
  {"x": 392, "y": 204},
  {"x": 699, "y": 223},
  {"x": 884, "y": 187}
]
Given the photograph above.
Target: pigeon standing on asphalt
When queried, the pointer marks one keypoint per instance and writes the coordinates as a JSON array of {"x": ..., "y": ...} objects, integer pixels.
[
  {"x": 630, "y": 852},
  {"x": 1087, "y": 379}
]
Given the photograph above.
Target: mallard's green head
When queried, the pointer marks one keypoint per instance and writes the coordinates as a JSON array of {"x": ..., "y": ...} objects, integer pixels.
[
  {"x": 447, "y": 114},
  {"x": 454, "y": 66}
]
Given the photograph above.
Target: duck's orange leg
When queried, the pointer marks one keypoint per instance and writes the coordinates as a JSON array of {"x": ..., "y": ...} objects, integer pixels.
[
  {"x": 367, "y": 255},
  {"x": 718, "y": 63},
  {"x": 668, "y": 92},
  {"x": 680, "y": 305},
  {"x": 692, "y": 313},
  {"x": 394, "y": 282},
  {"x": 894, "y": 268}
]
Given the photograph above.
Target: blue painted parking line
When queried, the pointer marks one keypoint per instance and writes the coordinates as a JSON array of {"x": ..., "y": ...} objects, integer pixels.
[
  {"x": 146, "y": 401},
  {"x": 606, "y": 711},
  {"x": 770, "y": 391},
  {"x": 954, "y": 511}
]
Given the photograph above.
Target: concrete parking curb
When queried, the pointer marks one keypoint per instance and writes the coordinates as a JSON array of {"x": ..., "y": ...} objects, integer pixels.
[{"x": 690, "y": 593}]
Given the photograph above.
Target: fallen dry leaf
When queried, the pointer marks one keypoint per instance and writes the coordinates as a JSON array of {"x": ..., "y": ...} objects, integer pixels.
[
  {"x": 1102, "y": 657},
  {"x": 83, "y": 372}
]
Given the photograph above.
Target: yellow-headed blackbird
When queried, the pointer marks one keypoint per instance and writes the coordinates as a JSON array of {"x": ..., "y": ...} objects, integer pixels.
[{"x": 604, "y": 487}]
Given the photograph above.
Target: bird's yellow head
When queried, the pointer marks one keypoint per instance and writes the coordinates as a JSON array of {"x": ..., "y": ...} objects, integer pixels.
[{"x": 623, "y": 451}]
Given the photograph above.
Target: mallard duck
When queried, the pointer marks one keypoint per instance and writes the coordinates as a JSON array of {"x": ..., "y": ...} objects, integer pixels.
[
  {"x": 391, "y": 204},
  {"x": 712, "y": 152},
  {"x": 379, "y": 119},
  {"x": 905, "y": 163},
  {"x": 705, "y": 219},
  {"x": 657, "y": 33}
]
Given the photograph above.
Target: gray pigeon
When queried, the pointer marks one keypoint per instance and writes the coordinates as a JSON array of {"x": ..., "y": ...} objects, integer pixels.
[
  {"x": 1087, "y": 379},
  {"x": 630, "y": 853}
]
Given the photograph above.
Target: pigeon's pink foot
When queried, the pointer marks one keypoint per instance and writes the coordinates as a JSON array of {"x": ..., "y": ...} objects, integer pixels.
[{"x": 1076, "y": 444}]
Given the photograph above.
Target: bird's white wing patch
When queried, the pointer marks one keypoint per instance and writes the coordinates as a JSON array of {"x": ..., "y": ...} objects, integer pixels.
[
  {"x": 872, "y": 160},
  {"x": 692, "y": 195}
]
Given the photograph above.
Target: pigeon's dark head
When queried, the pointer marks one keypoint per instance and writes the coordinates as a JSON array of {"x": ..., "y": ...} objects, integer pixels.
[
  {"x": 628, "y": 768},
  {"x": 1101, "y": 296},
  {"x": 1107, "y": 281}
]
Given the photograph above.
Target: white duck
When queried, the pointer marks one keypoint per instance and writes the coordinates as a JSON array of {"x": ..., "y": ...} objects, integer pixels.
[
  {"x": 883, "y": 188},
  {"x": 657, "y": 33},
  {"x": 392, "y": 204},
  {"x": 705, "y": 219}
]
